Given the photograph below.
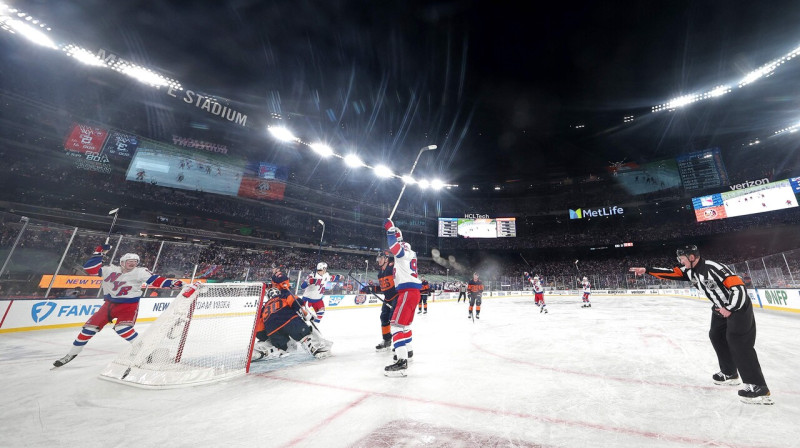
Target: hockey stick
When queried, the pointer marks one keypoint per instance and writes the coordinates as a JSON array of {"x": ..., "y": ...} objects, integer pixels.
[
  {"x": 423, "y": 149},
  {"x": 114, "y": 212},
  {"x": 320, "y": 239},
  {"x": 350, "y": 274},
  {"x": 576, "y": 266},
  {"x": 526, "y": 261}
]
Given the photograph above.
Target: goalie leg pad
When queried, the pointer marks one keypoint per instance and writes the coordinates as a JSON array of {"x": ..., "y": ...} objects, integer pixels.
[{"x": 266, "y": 351}]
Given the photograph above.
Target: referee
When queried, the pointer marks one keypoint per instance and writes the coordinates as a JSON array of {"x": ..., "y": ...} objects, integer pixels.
[{"x": 733, "y": 325}]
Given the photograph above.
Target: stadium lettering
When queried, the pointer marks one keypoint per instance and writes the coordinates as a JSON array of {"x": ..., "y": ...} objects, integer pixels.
[
  {"x": 475, "y": 216},
  {"x": 211, "y": 106},
  {"x": 750, "y": 183},
  {"x": 589, "y": 213}
]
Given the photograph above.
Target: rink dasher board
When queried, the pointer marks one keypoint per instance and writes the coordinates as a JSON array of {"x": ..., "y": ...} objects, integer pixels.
[{"x": 41, "y": 314}]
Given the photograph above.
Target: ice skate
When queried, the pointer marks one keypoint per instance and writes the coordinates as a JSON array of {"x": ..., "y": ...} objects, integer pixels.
[
  {"x": 410, "y": 355},
  {"x": 398, "y": 369},
  {"x": 64, "y": 360},
  {"x": 477, "y": 316},
  {"x": 754, "y": 394},
  {"x": 425, "y": 312},
  {"x": 726, "y": 380},
  {"x": 419, "y": 311},
  {"x": 383, "y": 346}
]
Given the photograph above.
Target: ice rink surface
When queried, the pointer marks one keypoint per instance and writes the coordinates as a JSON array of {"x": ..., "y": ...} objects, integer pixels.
[{"x": 629, "y": 372}]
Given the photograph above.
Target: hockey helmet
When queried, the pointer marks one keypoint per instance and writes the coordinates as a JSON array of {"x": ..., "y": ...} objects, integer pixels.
[
  {"x": 536, "y": 278},
  {"x": 685, "y": 251},
  {"x": 127, "y": 257},
  {"x": 273, "y": 292},
  {"x": 322, "y": 266},
  {"x": 585, "y": 279}
]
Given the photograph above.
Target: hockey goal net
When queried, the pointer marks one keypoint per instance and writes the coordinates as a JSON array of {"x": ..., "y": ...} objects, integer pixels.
[{"x": 205, "y": 335}]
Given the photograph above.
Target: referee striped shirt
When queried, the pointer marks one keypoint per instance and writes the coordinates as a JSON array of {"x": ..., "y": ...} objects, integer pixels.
[{"x": 724, "y": 288}]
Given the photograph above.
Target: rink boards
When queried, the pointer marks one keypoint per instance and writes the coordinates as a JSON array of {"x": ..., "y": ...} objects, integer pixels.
[{"x": 39, "y": 314}]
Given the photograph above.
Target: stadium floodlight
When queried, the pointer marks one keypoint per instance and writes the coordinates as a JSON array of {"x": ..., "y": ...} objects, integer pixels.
[
  {"x": 29, "y": 32},
  {"x": 143, "y": 75},
  {"x": 353, "y": 161},
  {"x": 84, "y": 56},
  {"x": 423, "y": 184},
  {"x": 437, "y": 184},
  {"x": 719, "y": 91},
  {"x": 321, "y": 149},
  {"x": 282, "y": 134},
  {"x": 383, "y": 171},
  {"x": 409, "y": 180}
]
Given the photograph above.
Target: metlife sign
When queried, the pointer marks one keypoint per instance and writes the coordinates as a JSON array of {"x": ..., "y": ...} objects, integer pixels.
[{"x": 595, "y": 213}]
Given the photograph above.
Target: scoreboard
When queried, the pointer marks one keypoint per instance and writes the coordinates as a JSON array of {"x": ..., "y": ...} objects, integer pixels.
[
  {"x": 702, "y": 169},
  {"x": 477, "y": 227}
]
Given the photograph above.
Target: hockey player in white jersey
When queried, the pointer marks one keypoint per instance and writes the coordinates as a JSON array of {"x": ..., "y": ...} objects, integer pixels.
[
  {"x": 538, "y": 292},
  {"x": 408, "y": 286},
  {"x": 314, "y": 288},
  {"x": 587, "y": 289},
  {"x": 122, "y": 289}
]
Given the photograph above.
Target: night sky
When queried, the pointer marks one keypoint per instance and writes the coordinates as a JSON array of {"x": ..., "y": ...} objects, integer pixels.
[{"x": 498, "y": 86}]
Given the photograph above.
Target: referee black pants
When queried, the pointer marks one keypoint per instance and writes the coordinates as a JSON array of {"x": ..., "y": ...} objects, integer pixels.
[{"x": 734, "y": 340}]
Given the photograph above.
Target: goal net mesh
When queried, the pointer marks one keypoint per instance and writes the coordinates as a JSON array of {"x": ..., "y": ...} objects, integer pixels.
[{"x": 205, "y": 335}]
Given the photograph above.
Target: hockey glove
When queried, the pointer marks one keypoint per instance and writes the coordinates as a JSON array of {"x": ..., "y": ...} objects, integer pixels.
[
  {"x": 102, "y": 249},
  {"x": 177, "y": 284},
  {"x": 389, "y": 225},
  {"x": 308, "y": 314}
]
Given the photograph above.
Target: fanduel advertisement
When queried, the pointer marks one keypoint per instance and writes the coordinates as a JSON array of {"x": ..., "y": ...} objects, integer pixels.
[{"x": 595, "y": 213}]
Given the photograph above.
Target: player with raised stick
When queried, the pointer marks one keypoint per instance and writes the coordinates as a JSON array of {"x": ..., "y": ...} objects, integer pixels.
[
  {"x": 408, "y": 286},
  {"x": 733, "y": 324},
  {"x": 587, "y": 290},
  {"x": 475, "y": 289},
  {"x": 386, "y": 286},
  {"x": 122, "y": 289},
  {"x": 538, "y": 292}
]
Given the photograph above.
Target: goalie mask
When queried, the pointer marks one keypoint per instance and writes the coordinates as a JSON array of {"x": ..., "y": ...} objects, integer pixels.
[
  {"x": 273, "y": 292},
  {"x": 127, "y": 257},
  {"x": 322, "y": 266}
]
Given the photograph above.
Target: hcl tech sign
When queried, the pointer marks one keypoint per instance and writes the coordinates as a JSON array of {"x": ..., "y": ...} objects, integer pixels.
[{"x": 589, "y": 213}]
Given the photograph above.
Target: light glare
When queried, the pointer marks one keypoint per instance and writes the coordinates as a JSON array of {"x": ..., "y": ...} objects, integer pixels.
[
  {"x": 383, "y": 171},
  {"x": 31, "y": 33},
  {"x": 282, "y": 134},
  {"x": 353, "y": 161},
  {"x": 321, "y": 149}
]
